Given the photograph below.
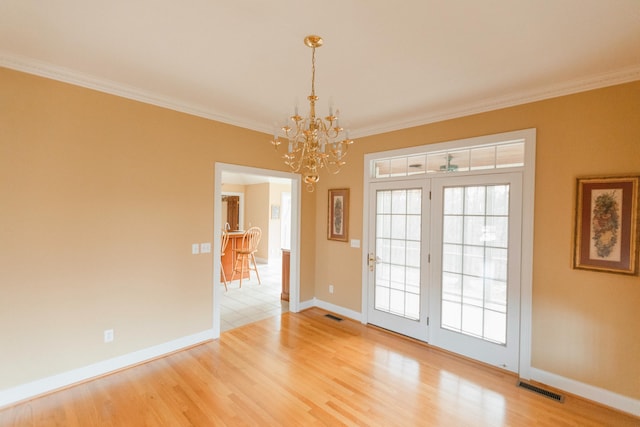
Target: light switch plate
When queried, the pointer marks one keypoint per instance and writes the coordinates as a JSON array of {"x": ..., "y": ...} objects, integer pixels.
[
  {"x": 355, "y": 243},
  {"x": 205, "y": 248},
  {"x": 195, "y": 249}
]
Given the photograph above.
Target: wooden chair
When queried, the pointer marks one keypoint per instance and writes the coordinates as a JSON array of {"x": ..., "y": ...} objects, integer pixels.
[
  {"x": 224, "y": 241},
  {"x": 245, "y": 255}
]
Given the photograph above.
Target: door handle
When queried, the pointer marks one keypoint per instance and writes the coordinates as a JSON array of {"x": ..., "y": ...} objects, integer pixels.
[{"x": 373, "y": 259}]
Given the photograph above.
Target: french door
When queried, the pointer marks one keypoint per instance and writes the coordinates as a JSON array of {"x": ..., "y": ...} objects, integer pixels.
[
  {"x": 447, "y": 270},
  {"x": 398, "y": 270},
  {"x": 475, "y": 297}
]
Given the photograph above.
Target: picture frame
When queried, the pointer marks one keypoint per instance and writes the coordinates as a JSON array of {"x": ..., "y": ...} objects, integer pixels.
[
  {"x": 606, "y": 224},
  {"x": 338, "y": 215}
]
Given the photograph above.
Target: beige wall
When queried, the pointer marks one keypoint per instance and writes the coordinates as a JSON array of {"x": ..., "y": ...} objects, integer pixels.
[
  {"x": 586, "y": 325},
  {"x": 102, "y": 198}
]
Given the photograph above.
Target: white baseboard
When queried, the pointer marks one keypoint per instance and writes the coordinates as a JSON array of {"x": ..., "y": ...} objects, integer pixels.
[
  {"x": 315, "y": 302},
  {"x": 602, "y": 396},
  {"x": 35, "y": 388},
  {"x": 45, "y": 385},
  {"x": 307, "y": 304}
]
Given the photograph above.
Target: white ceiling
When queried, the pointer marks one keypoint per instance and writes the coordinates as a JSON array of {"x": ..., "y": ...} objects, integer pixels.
[{"x": 386, "y": 65}]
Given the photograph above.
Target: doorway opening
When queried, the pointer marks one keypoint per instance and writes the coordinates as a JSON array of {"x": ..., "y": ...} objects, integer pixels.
[{"x": 269, "y": 200}]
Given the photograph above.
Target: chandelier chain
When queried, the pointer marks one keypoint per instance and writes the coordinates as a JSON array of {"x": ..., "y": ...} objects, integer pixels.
[
  {"x": 314, "y": 143},
  {"x": 313, "y": 72}
]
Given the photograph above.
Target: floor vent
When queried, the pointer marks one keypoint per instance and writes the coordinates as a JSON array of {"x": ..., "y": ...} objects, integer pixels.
[
  {"x": 551, "y": 395},
  {"x": 332, "y": 317}
]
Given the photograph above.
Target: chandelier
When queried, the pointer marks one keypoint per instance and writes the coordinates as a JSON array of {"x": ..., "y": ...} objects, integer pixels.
[{"x": 314, "y": 143}]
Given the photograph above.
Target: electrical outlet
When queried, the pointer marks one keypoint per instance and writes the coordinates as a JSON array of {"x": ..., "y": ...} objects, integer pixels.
[
  {"x": 205, "y": 248},
  {"x": 330, "y": 289},
  {"x": 108, "y": 335}
]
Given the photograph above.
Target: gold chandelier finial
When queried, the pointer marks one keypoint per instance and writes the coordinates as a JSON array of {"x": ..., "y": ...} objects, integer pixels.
[{"x": 314, "y": 143}]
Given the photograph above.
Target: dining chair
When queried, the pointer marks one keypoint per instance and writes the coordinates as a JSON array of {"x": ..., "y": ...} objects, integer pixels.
[
  {"x": 245, "y": 255},
  {"x": 224, "y": 241}
]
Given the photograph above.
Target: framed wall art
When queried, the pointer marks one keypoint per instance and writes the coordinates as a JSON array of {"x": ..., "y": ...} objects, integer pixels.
[
  {"x": 338, "y": 215},
  {"x": 606, "y": 224}
]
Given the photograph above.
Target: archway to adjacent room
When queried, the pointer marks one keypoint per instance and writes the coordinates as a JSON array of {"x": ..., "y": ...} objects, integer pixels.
[{"x": 235, "y": 178}]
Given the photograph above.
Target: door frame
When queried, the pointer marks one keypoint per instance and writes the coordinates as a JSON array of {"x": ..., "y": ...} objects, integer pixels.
[
  {"x": 294, "y": 284},
  {"x": 528, "y": 194}
]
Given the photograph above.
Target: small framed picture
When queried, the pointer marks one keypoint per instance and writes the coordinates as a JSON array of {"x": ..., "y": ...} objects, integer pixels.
[
  {"x": 338, "y": 215},
  {"x": 606, "y": 224}
]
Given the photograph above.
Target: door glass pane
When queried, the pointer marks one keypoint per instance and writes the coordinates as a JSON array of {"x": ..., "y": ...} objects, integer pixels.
[
  {"x": 383, "y": 205},
  {"x": 413, "y": 254},
  {"x": 398, "y": 228},
  {"x": 452, "y": 258},
  {"x": 474, "y": 200},
  {"x": 454, "y": 201},
  {"x": 452, "y": 287},
  {"x": 414, "y": 202},
  {"x": 452, "y": 229},
  {"x": 474, "y": 261}
]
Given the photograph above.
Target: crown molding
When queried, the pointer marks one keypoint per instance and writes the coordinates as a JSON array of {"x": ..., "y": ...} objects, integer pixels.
[
  {"x": 66, "y": 75},
  {"x": 584, "y": 84}
]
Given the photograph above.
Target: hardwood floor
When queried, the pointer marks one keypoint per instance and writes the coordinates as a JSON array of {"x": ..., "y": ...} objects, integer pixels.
[{"x": 308, "y": 370}]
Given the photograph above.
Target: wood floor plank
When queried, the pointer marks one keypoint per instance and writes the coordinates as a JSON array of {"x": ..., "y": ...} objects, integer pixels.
[{"x": 307, "y": 370}]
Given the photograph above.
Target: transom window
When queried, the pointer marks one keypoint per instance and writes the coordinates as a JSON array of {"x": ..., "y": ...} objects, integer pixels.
[{"x": 507, "y": 154}]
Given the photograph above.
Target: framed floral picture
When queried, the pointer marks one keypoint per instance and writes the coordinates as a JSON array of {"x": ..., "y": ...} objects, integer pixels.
[
  {"x": 606, "y": 224},
  {"x": 338, "y": 215}
]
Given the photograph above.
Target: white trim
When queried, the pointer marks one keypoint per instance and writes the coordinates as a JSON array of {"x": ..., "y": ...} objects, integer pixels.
[
  {"x": 43, "y": 69},
  {"x": 365, "y": 238},
  {"x": 49, "y": 384},
  {"x": 596, "y": 81},
  {"x": 294, "y": 267},
  {"x": 586, "y": 391},
  {"x": 526, "y": 245},
  {"x": 592, "y": 82},
  {"x": 55, "y": 382},
  {"x": 351, "y": 314},
  {"x": 305, "y": 305}
]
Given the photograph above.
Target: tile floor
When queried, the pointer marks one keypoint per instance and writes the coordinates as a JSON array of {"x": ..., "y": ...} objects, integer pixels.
[{"x": 253, "y": 302}]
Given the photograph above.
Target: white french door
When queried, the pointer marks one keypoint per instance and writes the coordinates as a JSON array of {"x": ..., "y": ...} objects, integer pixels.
[
  {"x": 398, "y": 222},
  {"x": 447, "y": 270},
  {"x": 475, "y": 292}
]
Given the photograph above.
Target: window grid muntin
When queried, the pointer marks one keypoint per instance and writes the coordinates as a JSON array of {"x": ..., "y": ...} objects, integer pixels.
[
  {"x": 397, "y": 273},
  {"x": 454, "y": 305}
]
